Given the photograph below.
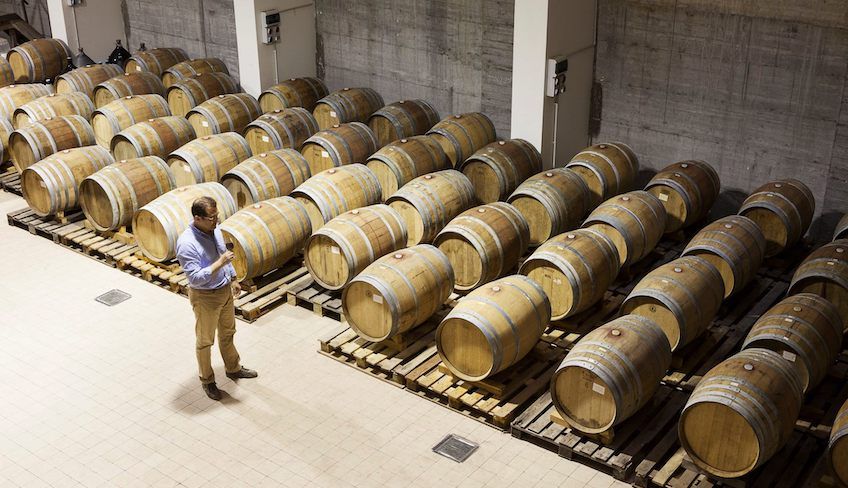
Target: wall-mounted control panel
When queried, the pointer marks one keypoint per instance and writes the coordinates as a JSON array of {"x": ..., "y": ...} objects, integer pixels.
[
  {"x": 270, "y": 26},
  {"x": 555, "y": 76}
]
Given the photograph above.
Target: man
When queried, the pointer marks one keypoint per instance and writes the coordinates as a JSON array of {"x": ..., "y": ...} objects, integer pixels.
[{"x": 211, "y": 278}]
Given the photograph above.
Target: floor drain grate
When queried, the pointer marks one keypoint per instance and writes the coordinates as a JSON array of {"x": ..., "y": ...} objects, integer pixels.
[
  {"x": 113, "y": 297},
  {"x": 455, "y": 447}
]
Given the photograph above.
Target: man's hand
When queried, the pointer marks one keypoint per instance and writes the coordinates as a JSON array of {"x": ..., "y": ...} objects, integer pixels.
[
  {"x": 227, "y": 257},
  {"x": 236, "y": 288}
]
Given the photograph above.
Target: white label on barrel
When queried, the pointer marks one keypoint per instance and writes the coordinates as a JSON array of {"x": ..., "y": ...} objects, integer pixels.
[
  {"x": 265, "y": 139},
  {"x": 789, "y": 356},
  {"x": 138, "y": 68},
  {"x": 599, "y": 389},
  {"x": 377, "y": 298},
  {"x": 334, "y": 250},
  {"x": 204, "y": 123},
  {"x": 332, "y": 113},
  {"x": 557, "y": 281},
  {"x": 325, "y": 154},
  {"x": 41, "y": 184},
  {"x": 663, "y": 196}
]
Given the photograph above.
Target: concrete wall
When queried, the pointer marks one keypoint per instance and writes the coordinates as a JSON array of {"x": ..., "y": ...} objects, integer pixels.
[
  {"x": 456, "y": 54},
  {"x": 755, "y": 87}
]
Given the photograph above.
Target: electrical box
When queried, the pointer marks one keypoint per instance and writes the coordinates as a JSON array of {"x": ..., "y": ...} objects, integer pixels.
[
  {"x": 555, "y": 76},
  {"x": 270, "y": 26}
]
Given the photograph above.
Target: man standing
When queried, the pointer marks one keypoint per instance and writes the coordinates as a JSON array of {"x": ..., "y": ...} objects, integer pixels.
[{"x": 212, "y": 284}]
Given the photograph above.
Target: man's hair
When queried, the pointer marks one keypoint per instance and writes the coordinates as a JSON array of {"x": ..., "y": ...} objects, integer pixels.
[{"x": 202, "y": 206}]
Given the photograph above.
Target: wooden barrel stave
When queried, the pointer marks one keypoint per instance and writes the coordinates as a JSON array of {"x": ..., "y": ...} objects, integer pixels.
[
  {"x": 280, "y": 129},
  {"x": 783, "y": 210},
  {"x": 86, "y": 78},
  {"x": 39, "y": 60},
  {"x": 155, "y": 137},
  {"x": 337, "y": 146},
  {"x": 401, "y": 161},
  {"x": 498, "y": 168},
  {"x": 141, "y": 83},
  {"x": 402, "y": 120},
  {"x": 337, "y": 190},
  {"x": 837, "y": 447},
  {"x": 552, "y": 201},
  {"x": 53, "y": 105},
  {"x": 687, "y": 190},
  {"x": 45, "y": 137},
  {"x": 208, "y": 158},
  {"x": 192, "y": 67},
  {"x": 608, "y": 168},
  {"x": 825, "y": 273},
  {"x": 461, "y": 135},
  {"x": 124, "y": 112},
  {"x": 266, "y": 175},
  {"x": 295, "y": 92},
  {"x": 188, "y": 93},
  {"x": 13, "y": 96},
  {"x": 52, "y": 184},
  {"x": 347, "y": 105},
  {"x": 155, "y": 61},
  {"x": 230, "y": 112},
  {"x": 635, "y": 222},
  {"x": 841, "y": 231}
]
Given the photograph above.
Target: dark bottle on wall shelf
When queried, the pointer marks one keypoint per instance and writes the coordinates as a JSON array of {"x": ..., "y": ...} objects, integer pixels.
[
  {"x": 119, "y": 55},
  {"x": 82, "y": 59}
]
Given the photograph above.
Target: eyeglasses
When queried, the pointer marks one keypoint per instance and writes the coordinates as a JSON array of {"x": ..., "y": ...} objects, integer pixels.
[{"x": 214, "y": 218}]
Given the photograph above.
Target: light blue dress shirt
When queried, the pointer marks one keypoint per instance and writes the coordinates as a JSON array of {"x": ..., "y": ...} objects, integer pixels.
[{"x": 196, "y": 251}]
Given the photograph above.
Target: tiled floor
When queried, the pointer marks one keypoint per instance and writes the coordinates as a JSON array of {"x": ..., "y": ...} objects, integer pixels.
[{"x": 100, "y": 396}]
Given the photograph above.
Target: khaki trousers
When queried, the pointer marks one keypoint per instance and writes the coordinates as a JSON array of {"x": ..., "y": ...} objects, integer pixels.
[{"x": 214, "y": 310}]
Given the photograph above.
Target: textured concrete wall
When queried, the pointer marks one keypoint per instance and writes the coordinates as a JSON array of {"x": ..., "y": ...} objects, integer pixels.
[
  {"x": 36, "y": 10},
  {"x": 204, "y": 28},
  {"x": 456, "y": 54},
  {"x": 756, "y": 88}
]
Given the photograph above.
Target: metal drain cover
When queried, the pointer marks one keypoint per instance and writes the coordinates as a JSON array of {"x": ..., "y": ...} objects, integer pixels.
[
  {"x": 455, "y": 447},
  {"x": 113, "y": 297}
]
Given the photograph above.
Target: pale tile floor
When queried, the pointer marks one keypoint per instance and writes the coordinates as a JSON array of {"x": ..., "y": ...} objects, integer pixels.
[{"x": 100, "y": 396}]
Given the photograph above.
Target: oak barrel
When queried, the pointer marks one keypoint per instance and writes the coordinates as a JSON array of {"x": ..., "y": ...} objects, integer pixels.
[
  {"x": 337, "y": 190},
  {"x": 402, "y": 119},
  {"x": 116, "y": 116},
  {"x": 265, "y": 176},
  {"x": 208, "y": 158},
  {"x": 13, "y": 96},
  {"x": 155, "y": 137},
  {"x": 192, "y": 67},
  {"x": 188, "y": 93},
  {"x": 39, "y": 60},
  {"x": 837, "y": 447},
  {"x": 84, "y": 79},
  {"x": 339, "y": 145},
  {"x": 841, "y": 231},
  {"x": 461, "y": 135},
  {"x": 825, "y": 273},
  {"x": 45, "y": 137},
  {"x": 635, "y": 222},
  {"x": 553, "y": 202},
  {"x": 347, "y": 105},
  {"x": 401, "y": 161},
  {"x": 52, "y": 184},
  {"x": 54, "y": 105},
  {"x": 687, "y": 190},
  {"x": 142, "y": 83},
  {"x": 7, "y": 76},
  {"x": 498, "y": 168},
  {"x": 155, "y": 61},
  {"x": 783, "y": 210},
  {"x": 224, "y": 113},
  {"x": 280, "y": 129},
  {"x": 294, "y": 92},
  {"x": 6, "y": 130},
  {"x": 608, "y": 168}
]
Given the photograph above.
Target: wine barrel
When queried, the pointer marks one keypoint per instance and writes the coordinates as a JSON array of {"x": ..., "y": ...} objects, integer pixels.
[
  {"x": 116, "y": 116},
  {"x": 837, "y": 447},
  {"x": 498, "y": 168},
  {"x": 158, "y": 225},
  {"x": 121, "y": 86},
  {"x": 265, "y": 176},
  {"x": 155, "y": 137},
  {"x": 841, "y": 231},
  {"x": 493, "y": 327},
  {"x": 6, "y": 130},
  {"x": 753, "y": 399},
  {"x": 462, "y": 135},
  {"x": 399, "y": 162},
  {"x": 45, "y": 137},
  {"x": 552, "y": 201},
  {"x": 347, "y": 105},
  {"x": 339, "y": 145},
  {"x": 188, "y": 93},
  {"x": 208, "y": 158},
  {"x": 608, "y": 168},
  {"x": 484, "y": 243},
  {"x": 575, "y": 269},
  {"x": 682, "y": 297},
  {"x": 54, "y": 105},
  {"x": 192, "y": 67},
  {"x": 397, "y": 292},
  {"x": 687, "y": 190},
  {"x": 610, "y": 374},
  {"x": 7, "y": 76},
  {"x": 735, "y": 246},
  {"x": 337, "y": 190},
  {"x": 13, "y": 96},
  {"x": 783, "y": 210},
  {"x": 110, "y": 197},
  {"x": 86, "y": 78},
  {"x": 805, "y": 329},
  {"x": 295, "y": 92},
  {"x": 347, "y": 244},
  {"x": 39, "y": 60},
  {"x": 266, "y": 235},
  {"x": 155, "y": 61},
  {"x": 403, "y": 119},
  {"x": 280, "y": 129},
  {"x": 825, "y": 273},
  {"x": 52, "y": 184},
  {"x": 634, "y": 221},
  {"x": 224, "y": 113},
  {"x": 429, "y": 202}
]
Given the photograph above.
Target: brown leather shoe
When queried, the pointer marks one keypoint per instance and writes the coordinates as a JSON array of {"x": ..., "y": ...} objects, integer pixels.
[
  {"x": 212, "y": 391},
  {"x": 242, "y": 373}
]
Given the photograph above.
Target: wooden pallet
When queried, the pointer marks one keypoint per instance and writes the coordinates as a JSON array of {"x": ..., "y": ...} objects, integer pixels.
[
  {"x": 45, "y": 227},
  {"x": 107, "y": 247},
  {"x": 308, "y": 294},
  {"x": 10, "y": 181},
  {"x": 269, "y": 291}
]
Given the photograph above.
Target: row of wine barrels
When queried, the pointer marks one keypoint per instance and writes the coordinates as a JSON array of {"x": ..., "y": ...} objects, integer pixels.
[
  {"x": 207, "y": 159},
  {"x": 337, "y": 190},
  {"x": 110, "y": 197},
  {"x": 403, "y": 160},
  {"x": 13, "y": 96},
  {"x": 266, "y": 235},
  {"x": 825, "y": 273},
  {"x": 86, "y": 78},
  {"x": 403, "y": 119},
  {"x": 682, "y": 297},
  {"x": 265, "y": 176},
  {"x": 347, "y": 105},
  {"x": 397, "y": 292},
  {"x": 607, "y": 168},
  {"x": 295, "y": 92},
  {"x": 837, "y": 446},
  {"x": 634, "y": 221},
  {"x": 52, "y": 184},
  {"x": 280, "y": 129},
  {"x": 841, "y": 231},
  {"x": 552, "y": 201},
  {"x": 45, "y": 137},
  {"x": 462, "y": 135},
  {"x": 347, "y": 244},
  {"x": 158, "y": 225},
  {"x": 192, "y": 67},
  {"x": 155, "y": 61},
  {"x": 610, "y": 373},
  {"x": 805, "y": 329},
  {"x": 427, "y": 203},
  {"x": 484, "y": 243},
  {"x": 498, "y": 168},
  {"x": 141, "y": 83},
  {"x": 155, "y": 137},
  {"x": 340, "y": 145},
  {"x": 753, "y": 398},
  {"x": 687, "y": 190},
  {"x": 39, "y": 60},
  {"x": 493, "y": 327},
  {"x": 225, "y": 113},
  {"x": 783, "y": 210},
  {"x": 53, "y": 105},
  {"x": 6, "y": 130},
  {"x": 7, "y": 76},
  {"x": 575, "y": 269},
  {"x": 188, "y": 93},
  {"x": 116, "y": 116}
]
